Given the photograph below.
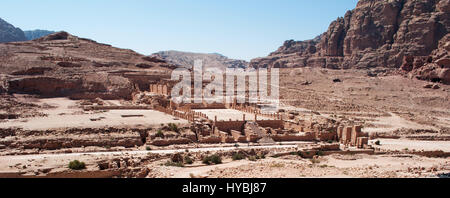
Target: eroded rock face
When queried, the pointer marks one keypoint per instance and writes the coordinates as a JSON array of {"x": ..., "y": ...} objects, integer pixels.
[
  {"x": 86, "y": 69},
  {"x": 374, "y": 34},
  {"x": 435, "y": 67}
]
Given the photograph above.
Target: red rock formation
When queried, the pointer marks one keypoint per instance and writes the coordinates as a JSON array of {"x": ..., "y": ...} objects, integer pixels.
[
  {"x": 61, "y": 64},
  {"x": 435, "y": 67},
  {"x": 374, "y": 34}
]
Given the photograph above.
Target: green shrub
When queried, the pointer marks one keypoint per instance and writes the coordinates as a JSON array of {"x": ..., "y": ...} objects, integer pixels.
[
  {"x": 378, "y": 143},
  {"x": 148, "y": 148},
  {"x": 263, "y": 156},
  {"x": 252, "y": 158},
  {"x": 320, "y": 153},
  {"x": 160, "y": 134},
  {"x": 188, "y": 160},
  {"x": 213, "y": 159},
  {"x": 238, "y": 156},
  {"x": 216, "y": 159},
  {"x": 77, "y": 165},
  {"x": 176, "y": 164},
  {"x": 173, "y": 127},
  {"x": 315, "y": 161}
]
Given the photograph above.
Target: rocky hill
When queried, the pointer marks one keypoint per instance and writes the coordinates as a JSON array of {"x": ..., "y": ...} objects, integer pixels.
[
  {"x": 9, "y": 33},
  {"x": 61, "y": 64},
  {"x": 377, "y": 33},
  {"x": 35, "y": 34},
  {"x": 186, "y": 59}
]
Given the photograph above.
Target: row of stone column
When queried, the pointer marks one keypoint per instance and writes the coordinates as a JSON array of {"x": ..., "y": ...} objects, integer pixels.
[{"x": 255, "y": 111}]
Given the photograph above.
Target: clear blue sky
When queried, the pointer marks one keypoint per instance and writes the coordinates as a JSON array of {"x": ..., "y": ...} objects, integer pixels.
[{"x": 242, "y": 29}]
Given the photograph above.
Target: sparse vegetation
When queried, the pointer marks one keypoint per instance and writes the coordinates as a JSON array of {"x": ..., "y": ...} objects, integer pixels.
[
  {"x": 277, "y": 165},
  {"x": 148, "y": 148},
  {"x": 176, "y": 164},
  {"x": 173, "y": 127},
  {"x": 160, "y": 133},
  {"x": 378, "y": 143},
  {"x": 314, "y": 161},
  {"x": 252, "y": 158},
  {"x": 213, "y": 159},
  {"x": 238, "y": 156},
  {"x": 188, "y": 160},
  {"x": 77, "y": 165}
]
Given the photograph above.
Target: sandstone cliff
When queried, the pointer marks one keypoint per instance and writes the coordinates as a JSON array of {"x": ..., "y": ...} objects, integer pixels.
[{"x": 377, "y": 33}]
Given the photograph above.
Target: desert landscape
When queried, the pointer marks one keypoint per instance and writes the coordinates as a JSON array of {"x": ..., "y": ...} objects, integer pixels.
[{"x": 369, "y": 98}]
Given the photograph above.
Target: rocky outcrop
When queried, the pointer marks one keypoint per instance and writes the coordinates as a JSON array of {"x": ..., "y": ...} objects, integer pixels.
[
  {"x": 9, "y": 33},
  {"x": 63, "y": 65},
  {"x": 374, "y": 34},
  {"x": 435, "y": 68}
]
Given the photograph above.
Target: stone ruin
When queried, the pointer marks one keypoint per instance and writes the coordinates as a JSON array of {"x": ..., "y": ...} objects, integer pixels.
[
  {"x": 353, "y": 137},
  {"x": 273, "y": 128}
]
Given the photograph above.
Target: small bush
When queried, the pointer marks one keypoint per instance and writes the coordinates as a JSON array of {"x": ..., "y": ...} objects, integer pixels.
[
  {"x": 315, "y": 161},
  {"x": 263, "y": 156},
  {"x": 213, "y": 159},
  {"x": 188, "y": 160},
  {"x": 378, "y": 143},
  {"x": 148, "y": 148},
  {"x": 160, "y": 134},
  {"x": 277, "y": 165},
  {"x": 252, "y": 158},
  {"x": 238, "y": 156},
  {"x": 173, "y": 127},
  {"x": 77, "y": 165},
  {"x": 236, "y": 145},
  {"x": 320, "y": 153},
  {"x": 176, "y": 164}
]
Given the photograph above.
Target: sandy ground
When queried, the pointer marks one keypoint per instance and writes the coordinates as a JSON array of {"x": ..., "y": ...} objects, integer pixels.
[
  {"x": 395, "y": 122},
  {"x": 328, "y": 166},
  {"x": 67, "y": 115},
  {"x": 401, "y": 144},
  {"x": 36, "y": 162}
]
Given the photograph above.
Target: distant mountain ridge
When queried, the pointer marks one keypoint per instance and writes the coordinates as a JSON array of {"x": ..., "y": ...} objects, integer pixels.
[
  {"x": 210, "y": 60},
  {"x": 9, "y": 33},
  {"x": 35, "y": 34}
]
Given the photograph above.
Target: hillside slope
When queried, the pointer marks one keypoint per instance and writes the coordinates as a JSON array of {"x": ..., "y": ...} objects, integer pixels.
[
  {"x": 186, "y": 59},
  {"x": 64, "y": 65}
]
